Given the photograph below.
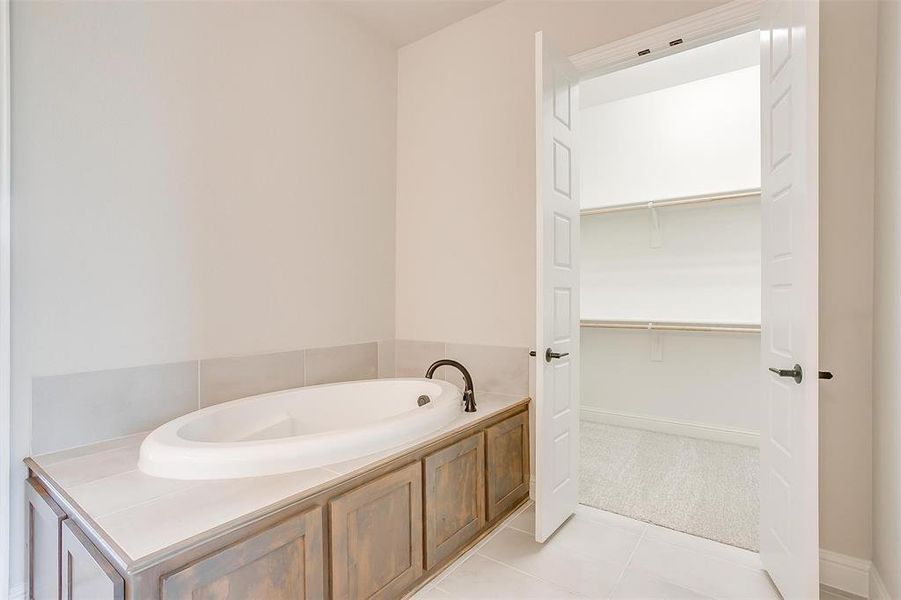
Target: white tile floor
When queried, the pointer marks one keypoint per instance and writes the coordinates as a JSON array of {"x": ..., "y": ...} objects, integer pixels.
[{"x": 597, "y": 554}]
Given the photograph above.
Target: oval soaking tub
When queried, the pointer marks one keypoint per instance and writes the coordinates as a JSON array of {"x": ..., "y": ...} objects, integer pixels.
[{"x": 298, "y": 429}]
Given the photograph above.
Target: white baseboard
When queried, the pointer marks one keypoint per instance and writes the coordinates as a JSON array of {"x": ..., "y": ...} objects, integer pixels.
[
  {"x": 877, "y": 587},
  {"x": 702, "y": 431},
  {"x": 846, "y": 573}
]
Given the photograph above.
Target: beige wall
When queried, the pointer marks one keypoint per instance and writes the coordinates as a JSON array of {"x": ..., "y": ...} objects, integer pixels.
[
  {"x": 887, "y": 321},
  {"x": 847, "y": 96},
  {"x": 466, "y": 163},
  {"x": 466, "y": 193},
  {"x": 194, "y": 180}
]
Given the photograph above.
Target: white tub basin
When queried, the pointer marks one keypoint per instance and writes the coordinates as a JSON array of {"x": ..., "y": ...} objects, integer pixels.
[{"x": 298, "y": 429}]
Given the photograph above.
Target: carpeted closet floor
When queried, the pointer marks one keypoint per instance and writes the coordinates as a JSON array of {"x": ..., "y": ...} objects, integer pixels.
[{"x": 704, "y": 488}]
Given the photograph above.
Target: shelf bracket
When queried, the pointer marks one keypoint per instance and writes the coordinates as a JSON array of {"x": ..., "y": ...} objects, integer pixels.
[
  {"x": 656, "y": 343},
  {"x": 656, "y": 238}
]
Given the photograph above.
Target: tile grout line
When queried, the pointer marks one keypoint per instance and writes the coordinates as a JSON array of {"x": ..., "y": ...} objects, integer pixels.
[
  {"x": 632, "y": 554},
  {"x": 448, "y": 570},
  {"x": 197, "y": 387},
  {"x": 634, "y": 550},
  {"x": 540, "y": 578},
  {"x": 705, "y": 552},
  {"x": 303, "y": 356},
  {"x": 529, "y": 575},
  {"x": 147, "y": 501},
  {"x": 119, "y": 438},
  {"x": 709, "y": 555},
  {"x": 691, "y": 587}
]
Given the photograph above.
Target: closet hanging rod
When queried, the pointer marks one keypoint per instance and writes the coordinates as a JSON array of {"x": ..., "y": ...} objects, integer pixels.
[
  {"x": 671, "y": 202},
  {"x": 672, "y": 326}
]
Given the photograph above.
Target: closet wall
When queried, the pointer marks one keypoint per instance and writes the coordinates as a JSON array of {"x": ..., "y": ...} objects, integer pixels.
[{"x": 686, "y": 125}]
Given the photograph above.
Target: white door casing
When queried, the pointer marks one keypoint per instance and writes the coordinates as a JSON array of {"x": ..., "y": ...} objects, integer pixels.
[
  {"x": 557, "y": 303},
  {"x": 5, "y": 320},
  {"x": 789, "y": 87}
]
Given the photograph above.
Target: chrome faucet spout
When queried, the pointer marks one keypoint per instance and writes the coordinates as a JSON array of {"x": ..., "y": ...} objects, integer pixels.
[{"x": 469, "y": 396}]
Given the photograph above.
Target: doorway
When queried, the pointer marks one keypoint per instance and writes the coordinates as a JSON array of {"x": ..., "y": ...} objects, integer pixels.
[
  {"x": 670, "y": 290},
  {"x": 787, "y": 369}
]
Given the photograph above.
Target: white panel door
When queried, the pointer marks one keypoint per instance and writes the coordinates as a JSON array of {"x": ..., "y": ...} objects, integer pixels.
[
  {"x": 557, "y": 337},
  {"x": 789, "y": 87}
]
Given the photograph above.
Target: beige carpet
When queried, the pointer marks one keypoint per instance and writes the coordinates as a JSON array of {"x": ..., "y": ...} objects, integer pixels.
[{"x": 704, "y": 488}]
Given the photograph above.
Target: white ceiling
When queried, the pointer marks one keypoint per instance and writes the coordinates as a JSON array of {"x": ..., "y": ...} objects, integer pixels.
[{"x": 401, "y": 22}]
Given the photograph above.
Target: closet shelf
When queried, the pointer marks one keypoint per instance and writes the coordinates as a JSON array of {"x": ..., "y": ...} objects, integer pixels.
[
  {"x": 672, "y": 326},
  {"x": 683, "y": 201}
]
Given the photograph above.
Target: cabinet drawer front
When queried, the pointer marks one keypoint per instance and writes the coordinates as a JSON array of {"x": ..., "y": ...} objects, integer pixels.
[
  {"x": 87, "y": 575},
  {"x": 283, "y": 562},
  {"x": 376, "y": 536},
  {"x": 454, "y": 497},
  {"x": 43, "y": 541},
  {"x": 507, "y": 463}
]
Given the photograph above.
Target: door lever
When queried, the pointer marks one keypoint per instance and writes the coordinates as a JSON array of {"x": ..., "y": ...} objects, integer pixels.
[
  {"x": 549, "y": 355},
  {"x": 795, "y": 373}
]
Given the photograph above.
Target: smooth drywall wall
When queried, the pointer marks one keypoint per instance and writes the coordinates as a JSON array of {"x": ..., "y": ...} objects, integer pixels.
[
  {"x": 466, "y": 163},
  {"x": 887, "y": 314},
  {"x": 703, "y": 265},
  {"x": 466, "y": 200},
  {"x": 709, "y": 381},
  {"x": 700, "y": 137},
  {"x": 706, "y": 268},
  {"x": 194, "y": 180}
]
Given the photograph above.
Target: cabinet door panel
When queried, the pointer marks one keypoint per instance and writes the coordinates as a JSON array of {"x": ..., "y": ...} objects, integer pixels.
[
  {"x": 454, "y": 497},
  {"x": 44, "y": 522},
  {"x": 87, "y": 575},
  {"x": 284, "y": 562},
  {"x": 376, "y": 536},
  {"x": 508, "y": 463}
]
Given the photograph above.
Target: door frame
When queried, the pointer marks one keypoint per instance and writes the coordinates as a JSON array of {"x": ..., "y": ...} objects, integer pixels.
[
  {"x": 736, "y": 17},
  {"x": 739, "y": 16},
  {"x": 5, "y": 249},
  {"x": 727, "y": 20}
]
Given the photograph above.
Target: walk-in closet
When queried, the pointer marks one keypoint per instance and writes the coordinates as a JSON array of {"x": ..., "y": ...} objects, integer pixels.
[{"x": 670, "y": 290}]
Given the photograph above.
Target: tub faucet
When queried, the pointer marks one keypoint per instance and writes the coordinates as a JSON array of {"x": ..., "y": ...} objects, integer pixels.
[{"x": 469, "y": 397}]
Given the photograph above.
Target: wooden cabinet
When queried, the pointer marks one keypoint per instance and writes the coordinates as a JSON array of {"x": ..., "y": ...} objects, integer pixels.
[
  {"x": 376, "y": 536},
  {"x": 507, "y": 457},
  {"x": 43, "y": 577},
  {"x": 87, "y": 575},
  {"x": 283, "y": 562},
  {"x": 454, "y": 497},
  {"x": 385, "y": 530}
]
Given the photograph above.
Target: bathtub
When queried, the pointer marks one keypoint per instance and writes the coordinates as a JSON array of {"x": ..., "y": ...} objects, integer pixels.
[{"x": 298, "y": 429}]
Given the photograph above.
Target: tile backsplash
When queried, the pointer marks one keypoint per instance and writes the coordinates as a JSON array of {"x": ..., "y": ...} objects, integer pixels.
[
  {"x": 83, "y": 408},
  {"x": 412, "y": 358},
  {"x": 223, "y": 379},
  {"x": 73, "y": 410},
  {"x": 342, "y": 363},
  {"x": 498, "y": 369}
]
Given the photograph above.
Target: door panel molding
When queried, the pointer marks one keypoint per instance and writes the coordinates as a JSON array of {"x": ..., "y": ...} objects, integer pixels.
[
  {"x": 789, "y": 487},
  {"x": 556, "y": 380}
]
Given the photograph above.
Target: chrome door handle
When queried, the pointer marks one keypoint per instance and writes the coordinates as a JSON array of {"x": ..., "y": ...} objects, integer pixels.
[{"x": 795, "y": 373}]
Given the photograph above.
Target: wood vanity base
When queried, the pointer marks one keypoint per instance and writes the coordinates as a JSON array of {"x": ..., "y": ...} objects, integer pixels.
[{"x": 379, "y": 533}]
